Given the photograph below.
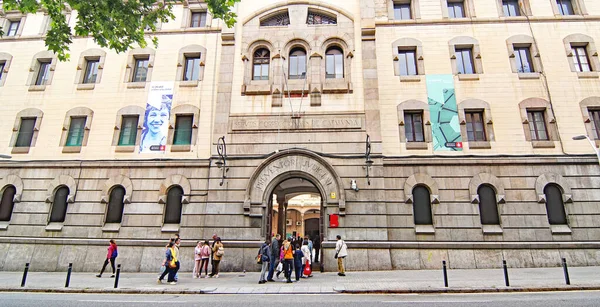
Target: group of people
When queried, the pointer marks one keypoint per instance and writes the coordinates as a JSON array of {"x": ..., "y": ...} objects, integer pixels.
[{"x": 294, "y": 254}]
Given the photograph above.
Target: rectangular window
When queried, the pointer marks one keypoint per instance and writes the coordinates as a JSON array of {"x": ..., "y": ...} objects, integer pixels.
[
  {"x": 523, "y": 59},
  {"x": 25, "y": 132},
  {"x": 537, "y": 125},
  {"x": 464, "y": 61},
  {"x": 580, "y": 59},
  {"x": 76, "y": 130},
  {"x": 91, "y": 71},
  {"x": 2, "y": 69},
  {"x": 408, "y": 62},
  {"x": 402, "y": 11},
  {"x": 511, "y": 8},
  {"x": 456, "y": 9},
  {"x": 140, "y": 71},
  {"x": 192, "y": 69},
  {"x": 183, "y": 130},
  {"x": 43, "y": 72},
  {"x": 13, "y": 28},
  {"x": 595, "y": 120},
  {"x": 475, "y": 126},
  {"x": 565, "y": 7},
  {"x": 413, "y": 126},
  {"x": 198, "y": 20},
  {"x": 128, "y": 133}
]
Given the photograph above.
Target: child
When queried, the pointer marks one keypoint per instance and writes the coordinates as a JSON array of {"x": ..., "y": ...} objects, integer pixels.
[{"x": 298, "y": 256}]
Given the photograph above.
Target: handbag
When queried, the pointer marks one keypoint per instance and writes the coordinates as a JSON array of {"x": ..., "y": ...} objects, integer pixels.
[
  {"x": 336, "y": 255},
  {"x": 258, "y": 259},
  {"x": 307, "y": 269},
  {"x": 280, "y": 267},
  {"x": 172, "y": 264}
]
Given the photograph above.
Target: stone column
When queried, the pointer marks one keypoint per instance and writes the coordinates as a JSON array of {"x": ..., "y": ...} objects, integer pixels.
[{"x": 282, "y": 206}]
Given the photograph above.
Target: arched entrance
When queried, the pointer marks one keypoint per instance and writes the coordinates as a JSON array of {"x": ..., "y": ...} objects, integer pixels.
[{"x": 285, "y": 176}]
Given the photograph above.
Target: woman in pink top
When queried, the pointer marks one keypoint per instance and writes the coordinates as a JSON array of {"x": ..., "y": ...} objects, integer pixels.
[
  {"x": 205, "y": 258},
  {"x": 197, "y": 258}
]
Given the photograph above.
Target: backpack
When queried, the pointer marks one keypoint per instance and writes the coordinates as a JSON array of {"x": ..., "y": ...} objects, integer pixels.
[
  {"x": 220, "y": 252},
  {"x": 115, "y": 253}
]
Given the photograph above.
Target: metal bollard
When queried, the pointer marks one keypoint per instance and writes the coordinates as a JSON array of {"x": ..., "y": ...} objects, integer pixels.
[
  {"x": 506, "y": 281},
  {"x": 566, "y": 271},
  {"x": 69, "y": 270},
  {"x": 25, "y": 274},
  {"x": 117, "y": 277},
  {"x": 445, "y": 273}
]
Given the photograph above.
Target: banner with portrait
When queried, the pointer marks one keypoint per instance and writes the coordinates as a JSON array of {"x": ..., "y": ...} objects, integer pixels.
[
  {"x": 156, "y": 117},
  {"x": 443, "y": 113}
]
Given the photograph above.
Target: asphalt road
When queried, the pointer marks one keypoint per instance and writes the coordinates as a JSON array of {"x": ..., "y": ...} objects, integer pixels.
[{"x": 546, "y": 299}]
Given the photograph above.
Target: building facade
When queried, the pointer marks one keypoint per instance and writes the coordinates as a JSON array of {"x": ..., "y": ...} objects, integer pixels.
[{"x": 419, "y": 130}]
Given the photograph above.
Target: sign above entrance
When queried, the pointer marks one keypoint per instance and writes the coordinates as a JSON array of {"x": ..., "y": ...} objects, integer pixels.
[{"x": 304, "y": 123}]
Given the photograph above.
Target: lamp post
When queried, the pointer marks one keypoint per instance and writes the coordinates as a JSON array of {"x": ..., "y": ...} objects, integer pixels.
[{"x": 585, "y": 137}]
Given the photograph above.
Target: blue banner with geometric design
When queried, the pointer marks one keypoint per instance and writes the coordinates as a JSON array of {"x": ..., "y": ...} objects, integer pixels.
[{"x": 443, "y": 113}]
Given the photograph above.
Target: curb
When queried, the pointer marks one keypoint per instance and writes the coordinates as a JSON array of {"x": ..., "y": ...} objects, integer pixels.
[
  {"x": 469, "y": 290},
  {"x": 107, "y": 291}
]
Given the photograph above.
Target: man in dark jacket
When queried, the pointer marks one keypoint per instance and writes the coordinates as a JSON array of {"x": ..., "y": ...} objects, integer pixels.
[{"x": 275, "y": 250}]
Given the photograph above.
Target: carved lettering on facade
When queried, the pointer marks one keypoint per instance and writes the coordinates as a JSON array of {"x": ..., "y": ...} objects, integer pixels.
[
  {"x": 295, "y": 163},
  {"x": 285, "y": 123}
]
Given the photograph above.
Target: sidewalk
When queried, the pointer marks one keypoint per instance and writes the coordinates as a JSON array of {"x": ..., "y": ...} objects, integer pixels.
[{"x": 423, "y": 281}]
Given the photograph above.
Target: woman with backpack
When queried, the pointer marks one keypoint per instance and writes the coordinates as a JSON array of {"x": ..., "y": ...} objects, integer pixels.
[
  {"x": 110, "y": 256},
  {"x": 218, "y": 252},
  {"x": 264, "y": 253}
]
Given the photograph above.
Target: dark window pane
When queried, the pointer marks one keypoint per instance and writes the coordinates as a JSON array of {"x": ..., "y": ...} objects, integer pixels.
[
  {"x": 554, "y": 205},
  {"x": 192, "y": 69},
  {"x": 456, "y": 9},
  {"x": 13, "y": 28},
  {"x": 402, "y": 11},
  {"x": 297, "y": 64},
  {"x": 320, "y": 19},
  {"x": 464, "y": 61},
  {"x": 114, "y": 214},
  {"x": 580, "y": 59},
  {"x": 25, "y": 132},
  {"x": 198, "y": 20},
  {"x": 475, "y": 126},
  {"x": 595, "y": 120},
  {"x": 2, "y": 69},
  {"x": 173, "y": 209},
  {"x": 7, "y": 204},
  {"x": 141, "y": 70},
  {"x": 413, "y": 127},
  {"x": 261, "y": 61},
  {"x": 408, "y": 62},
  {"x": 282, "y": 19},
  {"x": 59, "y": 205},
  {"x": 511, "y": 8},
  {"x": 334, "y": 64},
  {"x": 183, "y": 130},
  {"x": 76, "y": 131},
  {"x": 523, "y": 59},
  {"x": 488, "y": 208},
  {"x": 422, "y": 206},
  {"x": 91, "y": 71},
  {"x": 537, "y": 125},
  {"x": 565, "y": 7},
  {"x": 128, "y": 133},
  {"x": 43, "y": 73}
]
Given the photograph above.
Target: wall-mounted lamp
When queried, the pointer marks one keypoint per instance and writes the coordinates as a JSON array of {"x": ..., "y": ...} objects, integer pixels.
[{"x": 353, "y": 185}]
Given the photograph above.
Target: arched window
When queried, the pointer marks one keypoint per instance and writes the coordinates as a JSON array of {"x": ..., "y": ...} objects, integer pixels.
[
  {"x": 488, "y": 208},
  {"x": 297, "y": 64},
  {"x": 114, "y": 214},
  {"x": 173, "y": 210},
  {"x": 7, "y": 204},
  {"x": 260, "y": 70},
  {"x": 422, "y": 206},
  {"x": 554, "y": 205},
  {"x": 334, "y": 63},
  {"x": 59, "y": 205}
]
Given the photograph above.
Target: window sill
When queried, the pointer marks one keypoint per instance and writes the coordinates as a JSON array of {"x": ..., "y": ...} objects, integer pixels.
[
  {"x": 37, "y": 88},
  {"x": 424, "y": 229},
  {"x": 410, "y": 78},
  {"x": 136, "y": 84},
  {"x": 54, "y": 226},
  {"x": 4, "y": 225},
  {"x": 181, "y": 148},
  {"x": 588, "y": 75},
  {"x": 111, "y": 227},
  {"x": 125, "y": 148},
  {"x": 416, "y": 145},
  {"x": 71, "y": 149},
  {"x": 492, "y": 229},
  {"x": 529, "y": 76},
  {"x": 170, "y": 228},
  {"x": 543, "y": 144},
  {"x": 20, "y": 150},
  {"x": 468, "y": 77},
  {"x": 479, "y": 145},
  {"x": 257, "y": 87},
  {"x": 86, "y": 86},
  {"x": 560, "y": 229},
  {"x": 193, "y": 83}
]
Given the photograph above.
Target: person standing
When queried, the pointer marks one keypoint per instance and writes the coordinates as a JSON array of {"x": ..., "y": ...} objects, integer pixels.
[
  {"x": 111, "y": 255},
  {"x": 197, "y": 259},
  {"x": 317, "y": 247},
  {"x": 288, "y": 259},
  {"x": 274, "y": 257},
  {"x": 341, "y": 251},
  {"x": 298, "y": 256},
  {"x": 176, "y": 252},
  {"x": 212, "y": 262},
  {"x": 306, "y": 260},
  {"x": 218, "y": 252},
  {"x": 205, "y": 255},
  {"x": 264, "y": 253}
]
